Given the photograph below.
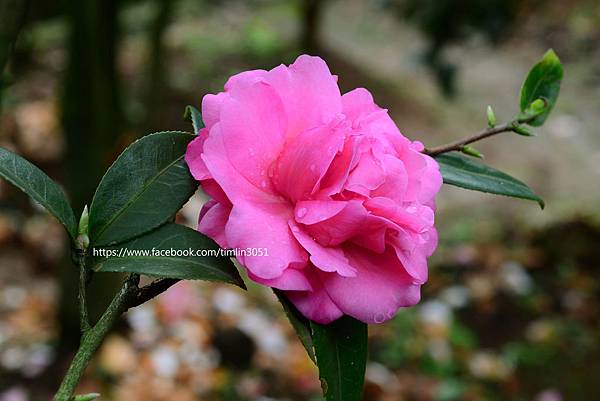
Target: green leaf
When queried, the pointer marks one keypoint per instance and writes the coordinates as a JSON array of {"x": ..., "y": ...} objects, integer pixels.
[
  {"x": 161, "y": 253},
  {"x": 193, "y": 114},
  {"x": 341, "y": 350},
  {"x": 466, "y": 173},
  {"x": 542, "y": 82},
  {"x": 41, "y": 188},
  {"x": 144, "y": 188},
  {"x": 300, "y": 324}
]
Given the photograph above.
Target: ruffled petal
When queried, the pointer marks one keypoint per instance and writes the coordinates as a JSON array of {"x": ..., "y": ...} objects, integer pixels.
[
  {"x": 316, "y": 211},
  {"x": 211, "y": 108},
  {"x": 290, "y": 280},
  {"x": 236, "y": 186},
  {"x": 193, "y": 156},
  {"x": 253, "y": 128},
  {"x": 327, "y": 259},
  {"x": 302, "y": 164},
  {"x": 212, "y": 221},
  {"x": 379, "y": 289},
  {"x": 337, "y": 174},
  {"x": 366, "y": 176},
  {"x": 309, "y": 92},
  {"x": 265, "y": 226},
  {"x": 316, "y": 305},
  {"x": 340, "y": 227}
]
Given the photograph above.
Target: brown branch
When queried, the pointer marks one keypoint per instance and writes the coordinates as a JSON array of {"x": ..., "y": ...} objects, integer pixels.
[
  {"x": 457, "y": 145},
  {"x": 511, "y": 126}
]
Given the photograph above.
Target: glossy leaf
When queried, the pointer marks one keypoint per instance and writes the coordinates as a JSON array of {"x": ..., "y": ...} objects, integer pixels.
[
  {"x": 193, "y": 114},
  {"x": 300, "y": 324},
  {"x": 542, "y": 82},
  {"x": 466, "y": 173},
  {"x": 41, "y": 188},
  {"x": 143, "y": 189},
  {"x": 146, "y": 255},
  {"x": 341, "y": 350}
]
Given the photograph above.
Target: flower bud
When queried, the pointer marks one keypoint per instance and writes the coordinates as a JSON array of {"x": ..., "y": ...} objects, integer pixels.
[
  {"x": 491, "y": 117},
  {"x": 537, "y": 107},
  {"x": 521, "y": 130},
  {"x": 83, "y": 221},
  {"x": 467, "y": 150}
]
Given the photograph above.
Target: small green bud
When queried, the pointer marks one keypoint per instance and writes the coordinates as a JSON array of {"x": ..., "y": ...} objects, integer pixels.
[
  {"x": 521, "y": 130},
  {"x": 538, "y": 106},
  {"x": 491, "y": 117},
  {"x": 83, "y": 241},
  {"x": 86, "y": 397},
  {"x": 83, "y": 221},
  {"x": 467, "y": 150}
]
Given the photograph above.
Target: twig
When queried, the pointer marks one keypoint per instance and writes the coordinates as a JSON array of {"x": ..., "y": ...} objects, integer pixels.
[
  {"x": 457, "y": 145},
  {"x": 511, "y": 126},
  {"x": 152, "y": 290}
]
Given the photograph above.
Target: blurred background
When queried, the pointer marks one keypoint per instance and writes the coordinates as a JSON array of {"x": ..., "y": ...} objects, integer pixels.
[{"x": 511, "y": 309}]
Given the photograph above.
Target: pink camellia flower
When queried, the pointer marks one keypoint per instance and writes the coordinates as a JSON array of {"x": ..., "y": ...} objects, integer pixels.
[{"x": 325, "y": 183}]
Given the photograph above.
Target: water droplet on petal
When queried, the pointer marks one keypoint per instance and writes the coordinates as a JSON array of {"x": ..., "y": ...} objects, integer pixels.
[
  {"x": 301, "y": 212},
  {"x": 263, "y": 184},
  {"x": 313, "y": 168},
  {"x": 379, "y": 318}
]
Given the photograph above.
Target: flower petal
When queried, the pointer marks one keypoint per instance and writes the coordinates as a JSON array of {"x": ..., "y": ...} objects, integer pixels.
[
  {"x": 214, "y": 190},
  {"x": 193, "y": 156},
  {"x": 379, "y": 289},
  {"x": 309, "y": 92},
  {"x": 327, "y": 259},
  {"x": 234, "y": 184},
  {"x": 211, "y": 108},
  {"x": 340, "y": 227},
  {"x": 302, "y": 164},
  {"x": 290, "y": 280},
  {"x": 316, "y": 304},
  {"x": 366, "y": 176},
  {"x": 212, "y": 221},
  {"x": 253, "y": 127},
  {"x": 265, "y": 226},
  {"x": 315, "y": 211}
]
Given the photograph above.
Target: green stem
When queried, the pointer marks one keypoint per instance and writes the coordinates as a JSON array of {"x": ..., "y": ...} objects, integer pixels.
[
  {"x": 92, "y": 338},
  {"x": 129, "y": 296},
  {"x": 84, "y": 274}
]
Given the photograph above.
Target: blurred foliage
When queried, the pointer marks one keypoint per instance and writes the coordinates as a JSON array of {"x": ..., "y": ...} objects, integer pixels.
[
  {"x": 509, "y": 328},
  {"x": 508, "y": 314},
  {"x": 446, "y": 22},
  {"x": 12, "y": 16}
]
